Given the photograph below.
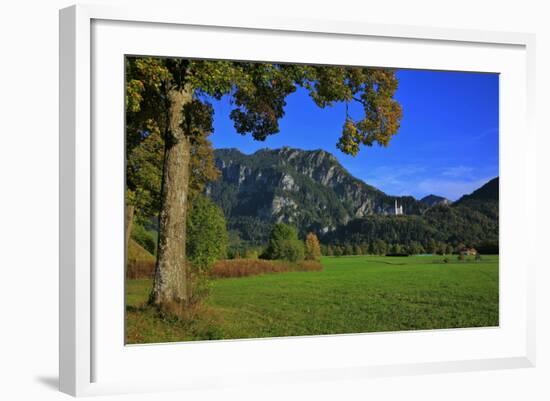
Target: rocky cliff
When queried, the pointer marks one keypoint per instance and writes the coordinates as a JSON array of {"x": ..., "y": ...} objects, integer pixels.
[{"x": 309, "y": 189}]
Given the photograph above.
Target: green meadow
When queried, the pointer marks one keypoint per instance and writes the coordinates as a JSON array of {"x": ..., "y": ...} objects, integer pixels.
[{"x": 352, "y": 294}]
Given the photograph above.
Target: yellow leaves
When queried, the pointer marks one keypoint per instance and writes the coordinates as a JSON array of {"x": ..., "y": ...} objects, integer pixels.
[
  {"x": 134, "y": 89},
  {"x": 258, "y": 92},
  {"x": 313, "y": 247},
  {"x": 143, "y": 75},
  {"x": 153, "y": 71},
  {"x": 350, "y": 138}
]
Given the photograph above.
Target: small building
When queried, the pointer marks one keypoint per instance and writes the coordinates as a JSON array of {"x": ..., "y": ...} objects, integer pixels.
[{"x": 468, "y": 252}]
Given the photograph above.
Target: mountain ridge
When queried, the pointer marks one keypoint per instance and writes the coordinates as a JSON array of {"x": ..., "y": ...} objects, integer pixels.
[
  {"x": 307, "y": 188},
  {"x": 432, "y": 200}
]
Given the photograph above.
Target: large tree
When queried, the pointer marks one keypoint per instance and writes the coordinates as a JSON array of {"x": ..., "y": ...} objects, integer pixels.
[
  {"x": 145, "y": 148},
  {"x": 170, "y": 95}
]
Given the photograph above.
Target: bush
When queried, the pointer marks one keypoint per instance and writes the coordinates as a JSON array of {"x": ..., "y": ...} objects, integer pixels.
[
  {"x": 247, "y": 267},
  {"x": 147, "y": 239},
  {"x": 206, "y": 242},
  {"x": 206, "y": 239},
  {"x": 284, "y": 244},
  {"x": 253, "y": 267},
  {"x": 291, "y": 250},
  {"x": 251, "y": 254}
]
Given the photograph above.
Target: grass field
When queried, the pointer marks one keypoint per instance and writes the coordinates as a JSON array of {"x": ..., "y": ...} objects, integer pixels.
[{"x": 352, "y": 294}]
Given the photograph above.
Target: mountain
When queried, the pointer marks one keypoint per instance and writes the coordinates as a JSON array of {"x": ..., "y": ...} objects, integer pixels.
[
  {"x": 314, "y": 192},
  {"x": 309, "y": 189},
  {"x": 487, "y": 192},
  {"x": 484, "y": 199},
  {"x": 472, "y": 220},
  {"x": 432, "y": 200}
]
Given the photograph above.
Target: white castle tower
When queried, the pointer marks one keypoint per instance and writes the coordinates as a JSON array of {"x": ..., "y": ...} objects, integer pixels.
[{"x": 398, "y": 210}]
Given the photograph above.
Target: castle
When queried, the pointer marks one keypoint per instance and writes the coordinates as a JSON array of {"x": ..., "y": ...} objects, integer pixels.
[{"x": 398, "y": 210}]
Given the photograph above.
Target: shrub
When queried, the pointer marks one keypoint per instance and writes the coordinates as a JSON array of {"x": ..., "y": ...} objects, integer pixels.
[
  {"x": 284, "y": 244},
  {"x": 206, "y": 242},
  {"x": 147, "y": 239},
  {"x": 348, "y": 250},
  {"x": 251, "y": 254},
  {"x": 247, "y": 267},
  {"x": 252, "y": 267},
  {"x": 381, "y": 247},
  {"x": 291, "y": 250},
  {"x": 206, "y": 239}
]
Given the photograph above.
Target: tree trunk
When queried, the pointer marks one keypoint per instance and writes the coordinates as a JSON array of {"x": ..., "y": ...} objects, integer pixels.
[
  {"x": 170, "y": 286},
  {"x": 129, "y": 219}
]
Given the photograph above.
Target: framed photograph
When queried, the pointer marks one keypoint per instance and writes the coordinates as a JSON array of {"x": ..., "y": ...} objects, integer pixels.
[{"x": 276, "y": 200}]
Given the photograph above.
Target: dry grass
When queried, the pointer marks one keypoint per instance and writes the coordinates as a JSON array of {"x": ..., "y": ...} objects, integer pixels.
[
  {"x": 254, "y": 267},
  {"x": 140, "y": 269},
  {"x": 141, "y": 264},
  {"x": 310, "y": 266}
]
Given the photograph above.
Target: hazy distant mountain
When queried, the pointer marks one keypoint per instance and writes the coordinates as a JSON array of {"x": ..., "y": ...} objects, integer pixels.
[{"x": 432, "y": 200}]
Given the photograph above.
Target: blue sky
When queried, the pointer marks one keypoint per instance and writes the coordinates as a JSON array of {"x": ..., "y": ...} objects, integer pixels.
[{"x": 447, "y": 144}]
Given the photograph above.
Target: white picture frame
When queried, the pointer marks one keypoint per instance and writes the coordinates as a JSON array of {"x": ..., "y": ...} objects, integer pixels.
[{"x": 92, "y": 360}]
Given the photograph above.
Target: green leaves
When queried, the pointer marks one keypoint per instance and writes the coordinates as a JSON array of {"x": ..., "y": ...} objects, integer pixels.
[
  {"x": 206, "y": 233},
  {"x": 349, "y": 140},
  {"x": 144, "y": 174},
  {"x": 258, "y": 92},
  {"x": 284, "y": 244},
  {"x": 143, "y": 74}
]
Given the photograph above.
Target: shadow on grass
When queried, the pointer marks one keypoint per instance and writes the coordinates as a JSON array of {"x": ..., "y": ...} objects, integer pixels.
[{"x": 391, "y": 263}]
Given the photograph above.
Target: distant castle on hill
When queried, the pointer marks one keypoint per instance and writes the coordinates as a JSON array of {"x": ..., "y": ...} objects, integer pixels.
[{"x": 398, "y": 209}]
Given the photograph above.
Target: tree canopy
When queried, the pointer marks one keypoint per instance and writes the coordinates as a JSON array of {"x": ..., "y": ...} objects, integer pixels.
[{"x": 258, "y": 92}]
